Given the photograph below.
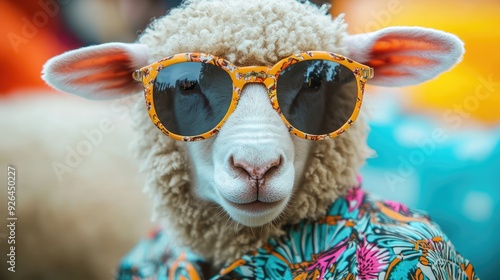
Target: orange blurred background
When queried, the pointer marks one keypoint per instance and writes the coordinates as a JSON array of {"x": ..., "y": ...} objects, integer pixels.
[
  {"x": 33, "y": 31},
  {"x": 475, "y": 22}
]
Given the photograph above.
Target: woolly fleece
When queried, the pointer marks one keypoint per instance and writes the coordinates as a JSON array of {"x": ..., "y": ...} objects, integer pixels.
[{"x": 246, "y": 33}]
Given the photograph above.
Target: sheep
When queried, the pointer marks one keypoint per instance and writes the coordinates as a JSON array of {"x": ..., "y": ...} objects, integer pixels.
[{"x": 250, "y": 184}]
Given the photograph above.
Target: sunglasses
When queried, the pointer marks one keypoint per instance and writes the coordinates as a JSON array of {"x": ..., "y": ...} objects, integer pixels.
[{"x": 317, "y": 94}]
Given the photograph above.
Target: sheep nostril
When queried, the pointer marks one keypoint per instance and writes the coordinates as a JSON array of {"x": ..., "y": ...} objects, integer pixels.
[{"x": 253, "y": 171}]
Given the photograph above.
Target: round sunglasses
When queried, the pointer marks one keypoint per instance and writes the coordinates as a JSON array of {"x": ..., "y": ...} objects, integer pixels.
[{"x": 317, "y": 94}]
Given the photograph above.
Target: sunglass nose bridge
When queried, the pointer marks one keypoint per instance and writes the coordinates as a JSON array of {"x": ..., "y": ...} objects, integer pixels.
[{"x": 253, "y": 74}]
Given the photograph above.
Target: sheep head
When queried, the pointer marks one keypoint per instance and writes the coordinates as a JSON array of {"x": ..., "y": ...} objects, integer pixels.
[{"x": 253, "y": 171}]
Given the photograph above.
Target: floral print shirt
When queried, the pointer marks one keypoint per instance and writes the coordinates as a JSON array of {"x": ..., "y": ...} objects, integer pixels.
[{"x": 358, "y": 238}]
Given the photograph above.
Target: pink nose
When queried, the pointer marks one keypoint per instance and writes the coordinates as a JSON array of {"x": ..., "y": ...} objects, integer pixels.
[{"x": 256, "y": 173}]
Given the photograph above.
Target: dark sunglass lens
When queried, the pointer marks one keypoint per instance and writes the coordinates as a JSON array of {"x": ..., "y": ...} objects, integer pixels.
[
  {"x": 317, "y": 96},
  {"x": 191, "y": 98}
]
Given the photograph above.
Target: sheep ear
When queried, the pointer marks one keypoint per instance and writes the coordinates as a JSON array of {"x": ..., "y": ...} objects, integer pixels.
[
  {"x": 97, "y": 72},
  {"x": 404, "y": 56}
]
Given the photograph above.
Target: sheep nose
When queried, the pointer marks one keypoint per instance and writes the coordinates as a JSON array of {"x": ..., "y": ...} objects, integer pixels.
[{"x": 255, "y": 172}]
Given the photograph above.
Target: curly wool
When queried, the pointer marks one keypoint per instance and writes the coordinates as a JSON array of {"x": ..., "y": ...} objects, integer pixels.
[{"x": 246, "y": 33}]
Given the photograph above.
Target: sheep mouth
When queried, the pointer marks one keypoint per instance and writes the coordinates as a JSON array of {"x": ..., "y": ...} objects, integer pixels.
[{"x": 255, "y": 206}]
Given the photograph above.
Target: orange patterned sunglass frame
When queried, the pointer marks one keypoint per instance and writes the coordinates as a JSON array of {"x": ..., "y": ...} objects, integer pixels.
[{"x": 251, "y": 74}]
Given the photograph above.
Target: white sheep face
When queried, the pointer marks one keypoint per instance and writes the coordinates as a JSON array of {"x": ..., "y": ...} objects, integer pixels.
[{"x": 251, "y": 166}]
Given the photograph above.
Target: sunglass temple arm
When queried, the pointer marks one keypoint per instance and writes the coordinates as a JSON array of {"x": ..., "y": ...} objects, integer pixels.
[
  {"x": 137, "y": 75},
  {"x": 367, "y": 73}
]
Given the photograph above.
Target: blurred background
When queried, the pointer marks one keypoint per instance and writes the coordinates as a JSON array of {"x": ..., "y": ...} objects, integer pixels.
[{"x": 437, "y": 144}]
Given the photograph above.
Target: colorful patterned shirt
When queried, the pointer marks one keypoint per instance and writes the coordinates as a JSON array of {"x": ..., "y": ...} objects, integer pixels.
[{"x": 359, "y": 238}]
